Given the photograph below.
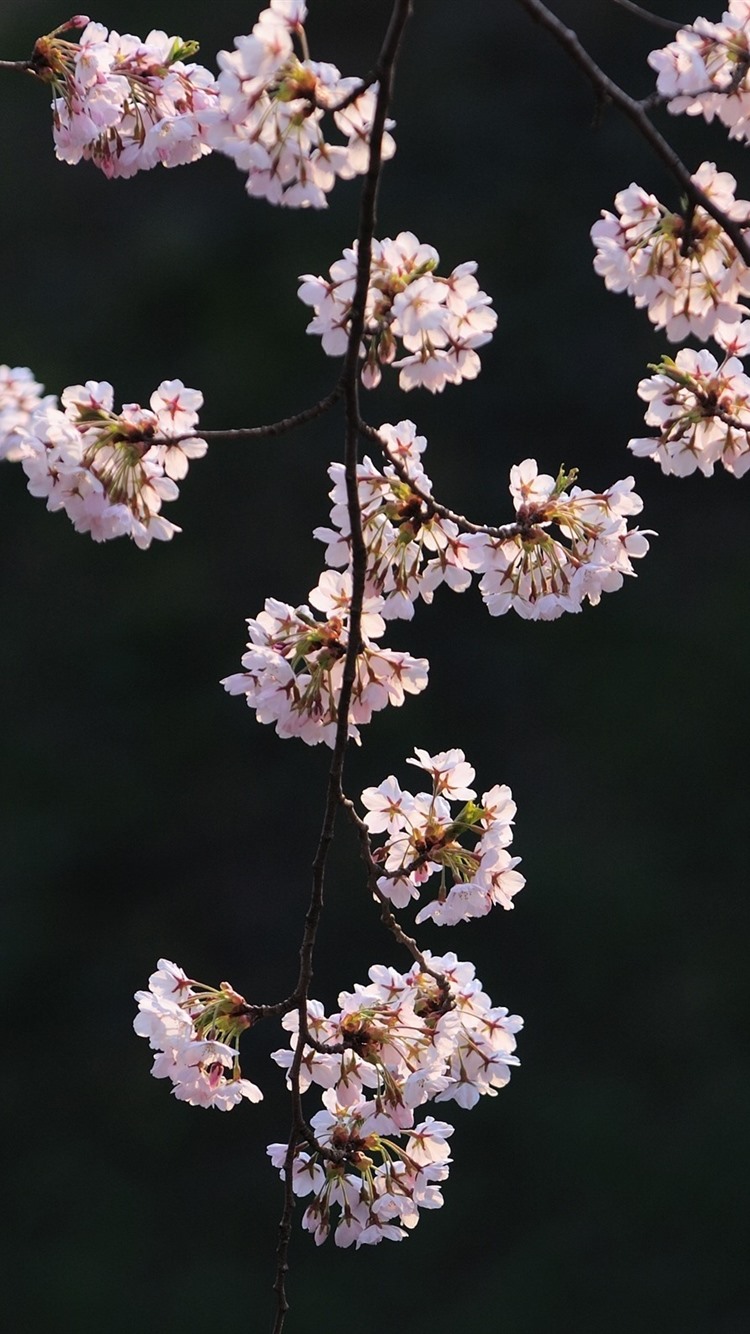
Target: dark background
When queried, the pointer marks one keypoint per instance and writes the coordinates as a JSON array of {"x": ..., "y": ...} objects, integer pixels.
[{"x": 147, "y": 813}]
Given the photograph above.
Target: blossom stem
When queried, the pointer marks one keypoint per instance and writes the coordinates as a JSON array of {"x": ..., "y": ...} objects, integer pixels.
[
  {"x": 503, "y": 532},
  {"x": 671, "y": 25},
  {"x": 609, "y": 91},
  {"x": 261, "y": 432}
]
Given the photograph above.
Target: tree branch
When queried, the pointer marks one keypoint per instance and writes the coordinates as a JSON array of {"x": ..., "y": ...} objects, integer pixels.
[
  {"x": 508, "y": 530},
  {"x": 670, "y": 24},
  {"x": 256, "y": 432},
  {"x": 350, "y": 384},
  {"x": 635, "y": 112}
]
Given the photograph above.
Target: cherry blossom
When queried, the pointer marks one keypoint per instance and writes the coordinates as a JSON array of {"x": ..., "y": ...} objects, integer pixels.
[
  {"x": 540, "y": 575},
  {"x": 295, "y": 664},
  {"x": 125, "y": 103},
  {"x": 682, "y": 268},
  {"x": 20, "y": 396},
  {"x": 431, "y": 1033},
  {"x": 361, "y": 1166},
  {"x": 439, "y": 321},
  {"x": 404, "y": 1038},
  {"x": 466, "y": 849},
  {"x": 410, "y": 549},
  {"x": 112, "y": 471},
  {"x": 705, "y": 71},
  {"x": 701, "y": 409},
  {"x": 195, "y": 1031},
  {"x": 271, "y": 112}
]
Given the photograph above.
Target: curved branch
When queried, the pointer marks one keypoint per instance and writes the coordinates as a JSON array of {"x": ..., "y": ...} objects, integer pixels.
[
  {"x": 609, "y": 91},
  {"x": 671, "y": 25},
  {"x": 502, "y": 533}
]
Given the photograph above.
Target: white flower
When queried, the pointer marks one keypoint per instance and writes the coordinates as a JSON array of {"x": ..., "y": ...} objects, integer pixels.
[
  {"x": 440, "y": 321},
  {"x": 101, "y": 467},
  {"x": 685, "y": 271},
  {"x": 195, "y": 1031},
  {"x": 125, "y": 104},
  {"x": 20, "y": 397}
]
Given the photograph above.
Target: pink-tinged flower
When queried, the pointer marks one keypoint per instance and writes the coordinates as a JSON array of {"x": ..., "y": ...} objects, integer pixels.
[
  {"x": 272, "y": 116},
  {"x": 386, "y": 806},
  {"x": 700, "y": 409},
  {"x": 684, "y": 270},
  {"x": 705, "y": 71},
  {"x": 195, "y": 1030},
  {"x": 107, "y": 469},
  {"x": 425, "y": 838},
  {"x": 20, "y": 397},
  {"x": 439, "y": 321},
  {"x": 411, "y": 550},
  {"x": 294, "y": 666},
  {"x": 541, "y": 574},
  {"x": 449, "y": 771},
  {"x": 123, "y": 103}
]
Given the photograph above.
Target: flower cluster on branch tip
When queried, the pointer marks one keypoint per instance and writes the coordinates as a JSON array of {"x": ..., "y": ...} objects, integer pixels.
[
  {"x": 294, "y": 665},
  {"x": 20, "y": 396},
  {"x": 195, "y": 1031},
  {"x": 685, "y": 270},
  {"x": 129, "y": 104},
  {"x": 110, "y": 471},
  {"x": 465, "y": 848},
  {"x": 705, "y": 70},
  {"x": 407, "y": 1038},
  {"x": 700, "y": 407},
  {"x": 681, "y": 267}
]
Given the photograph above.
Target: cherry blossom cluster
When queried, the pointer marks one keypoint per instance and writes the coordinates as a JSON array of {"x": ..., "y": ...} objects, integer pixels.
[
  {"x": 683, "y": 269},
  {"x": 402, "y": 1039},
  {"x": 20, "y": 396},
  {"x": 705, "y": 70},
  {"x": 195, "y": 1031},
  {"x": 272, "y": 106},
  {"x": 294, "y": 666},
  {"x": 540, "y": 575},
  {"x": 439, "y": 321},
  {"x": 111, "y": 471},
  {"x": 410, "y": 549},
  {"x": 701, "y": 409},
  {"x": 465, "y": 848},
  {"x": 363, "y": 1167},
  {"x": 124, "y": 103}
]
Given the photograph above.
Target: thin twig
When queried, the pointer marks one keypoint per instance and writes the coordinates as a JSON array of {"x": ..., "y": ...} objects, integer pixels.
[
  {"x": 386, "y": 912},
  {"x": 670, "y": 24},
  {"x": 502, "y": 533},
  {"x": 257, "y": 432},
  {"x": 609, "y": 91},
  {"x": 349, "y": 380},
  {"x": 16, "y": 64}
]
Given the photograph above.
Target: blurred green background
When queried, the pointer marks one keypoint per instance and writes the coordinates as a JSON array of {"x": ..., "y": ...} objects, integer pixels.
[{"x": 147, "y": 813}]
